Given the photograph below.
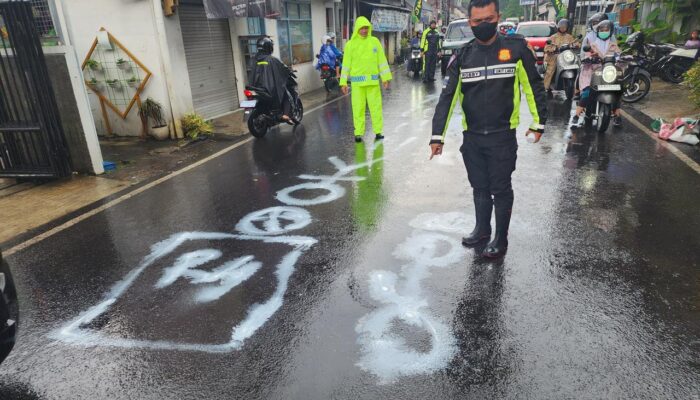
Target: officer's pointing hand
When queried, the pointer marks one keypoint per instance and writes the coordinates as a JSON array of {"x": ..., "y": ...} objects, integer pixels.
[
  {"x": 537, "y": 135},
  {"x": 435, "y": 149}
]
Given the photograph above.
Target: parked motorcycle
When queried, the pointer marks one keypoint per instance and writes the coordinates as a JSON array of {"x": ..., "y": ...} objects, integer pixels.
[
  {"x": 678, "y": 63},
  {"x": 636, "y": 80},
  {"x": 605, "y": 91},
  {"x": 415, "y": 64},
  {"x": 261, "y": 112},
  {"x": 665, "y": 60},
  {"x": 568, "y": 68}
]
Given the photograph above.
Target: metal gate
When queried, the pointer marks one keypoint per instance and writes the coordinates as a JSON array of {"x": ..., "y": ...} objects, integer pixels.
[
  {"x": 32, "y": 142},
  {"x": 209, "y": 58}
]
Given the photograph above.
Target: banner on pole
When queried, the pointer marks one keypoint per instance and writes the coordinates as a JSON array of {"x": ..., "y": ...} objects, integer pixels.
[{"x": 417, "y": 9}]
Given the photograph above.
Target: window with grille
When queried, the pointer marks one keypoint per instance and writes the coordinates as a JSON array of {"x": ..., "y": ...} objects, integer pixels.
[{"x": 43, "y": 21}]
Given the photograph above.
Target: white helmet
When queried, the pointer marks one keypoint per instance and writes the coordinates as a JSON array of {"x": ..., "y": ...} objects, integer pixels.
[{"x": 326, "y": 38}]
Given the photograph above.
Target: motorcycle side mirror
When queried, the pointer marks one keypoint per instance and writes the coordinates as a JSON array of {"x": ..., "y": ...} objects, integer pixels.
[
  {"x": 549, "y": 41},
  {"x": 580, "y": 36},
  {"x": 586, "y": 48}
]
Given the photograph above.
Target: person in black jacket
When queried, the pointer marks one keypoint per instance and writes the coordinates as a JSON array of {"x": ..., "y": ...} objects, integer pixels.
[
  {"x": 430, "y": 46},
  {"x": 486, "y": 77},
  {"x": 271, "y": 74}
]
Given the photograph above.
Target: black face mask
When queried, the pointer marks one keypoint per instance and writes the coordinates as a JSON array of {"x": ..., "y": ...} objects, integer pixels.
[{"x": 485, "y": 30}]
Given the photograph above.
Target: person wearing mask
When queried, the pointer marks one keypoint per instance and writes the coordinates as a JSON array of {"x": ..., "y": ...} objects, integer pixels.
[
  {"x": 415, "y": 41},
  {"x": 364, "y": 65},
  {"x": 430, "y": 46},
  {"x": 327, "y": 55},
  {"x": 600, "y": 47},
  {"x": 560, "y": 38},
  {"x": 693, "y": 41},
  {"x": 271, "y": 73},
  {"x": 486, "y": 78}
]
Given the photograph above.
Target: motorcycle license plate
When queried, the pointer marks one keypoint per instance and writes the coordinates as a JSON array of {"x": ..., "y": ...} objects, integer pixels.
[
  {"x": 609, "y": 87},
  {"x": 571, "y": 67},
  {"x": 447, "y": 52},
  {"x": 248, "y": 103}
]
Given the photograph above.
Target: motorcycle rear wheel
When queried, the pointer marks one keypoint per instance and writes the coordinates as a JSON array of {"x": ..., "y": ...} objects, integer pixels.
[
  {"x": 674, "y": 73},
  {"x": 256, "y": 124},
  {"x": 636, "y": 88}
]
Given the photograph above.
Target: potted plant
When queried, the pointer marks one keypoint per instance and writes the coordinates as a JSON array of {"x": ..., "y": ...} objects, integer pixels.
[
  {"x": 195, "y": 126},
  {"x": 95, "y": 84},
  {"x": 93, "y": 65},
  {"x": 133, "y": 81},
  {"x": 123, "y": 64},
  {"x": 154, "y": 110},
  {"x": 114, "y": 83}
]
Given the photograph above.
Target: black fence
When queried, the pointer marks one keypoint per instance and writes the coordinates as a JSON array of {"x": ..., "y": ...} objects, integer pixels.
[{"x": 32, "y": 141}]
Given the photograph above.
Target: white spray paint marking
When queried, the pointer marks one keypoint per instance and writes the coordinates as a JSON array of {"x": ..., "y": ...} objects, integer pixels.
[
  {"x": 400, "y": 127},
  {"x": 384, "y": 353},
  {"x": 325, "y": 183},
  {"x": 406, "y": 142},
  {"x": 270, "y": 225}
]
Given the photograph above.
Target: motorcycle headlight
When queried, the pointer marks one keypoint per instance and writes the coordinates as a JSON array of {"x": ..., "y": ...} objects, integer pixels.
[
  {"x": 568, "y": 56},
  {"x": 609, "y": 74}
]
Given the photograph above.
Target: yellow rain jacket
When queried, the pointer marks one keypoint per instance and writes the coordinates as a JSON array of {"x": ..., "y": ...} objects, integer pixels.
[{"x": 364, "y": 62}]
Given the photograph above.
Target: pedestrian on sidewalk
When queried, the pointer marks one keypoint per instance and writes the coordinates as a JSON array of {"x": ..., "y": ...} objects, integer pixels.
[
  {"x": 693, "y": 41},
  {"x": 486, "y": 77},
  {"x": 364, "y": 64},
  {"x": 430, "y": 47}
]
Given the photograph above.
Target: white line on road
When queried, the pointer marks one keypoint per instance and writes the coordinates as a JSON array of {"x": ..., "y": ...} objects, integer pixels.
[
  {"x": 135, "y": 192},
  {"x": 678, "y": 153}
]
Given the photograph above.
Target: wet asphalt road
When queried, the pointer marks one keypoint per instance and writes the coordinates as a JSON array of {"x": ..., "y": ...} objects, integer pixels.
[{"x": 367, "y": 295}]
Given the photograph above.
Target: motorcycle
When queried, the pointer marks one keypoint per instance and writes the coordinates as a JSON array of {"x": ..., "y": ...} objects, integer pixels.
[
  {"x": 636, "y": 80},
  {"x": 605, "y": 91},
  {"x": 415, "y": 64},
  {"x": 678, "y": 62},
  {"x": 568, "y": 67},
  {"x": 330, "y": 81},
  {"x": 665, "y": 60},
  {"x": 328, "y": 75},
  {"x": 260, "y": 111}
]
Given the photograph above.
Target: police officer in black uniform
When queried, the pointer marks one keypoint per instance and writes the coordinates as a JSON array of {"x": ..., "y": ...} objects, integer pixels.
[
  {"x": 486, "y": 77},
  {"x": 430, "y": 46}
]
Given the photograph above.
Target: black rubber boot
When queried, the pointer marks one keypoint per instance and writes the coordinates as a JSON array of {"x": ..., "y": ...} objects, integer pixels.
[
  {"x": 483, "y": 205},
  {"x": 499, "y": 245}
]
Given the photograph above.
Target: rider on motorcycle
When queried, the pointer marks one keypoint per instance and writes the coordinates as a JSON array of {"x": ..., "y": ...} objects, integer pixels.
[
  {"x": 272, "y": 75},
  {"x": 602, "y": 46},
  {"x": 560, "y": 38},
  {"x": 329, "y": 55}
]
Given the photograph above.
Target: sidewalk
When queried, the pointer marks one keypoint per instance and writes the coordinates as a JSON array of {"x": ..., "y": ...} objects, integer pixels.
[
  {"x": 28, "y": 208},
  {"x": 668, "y": 101}
]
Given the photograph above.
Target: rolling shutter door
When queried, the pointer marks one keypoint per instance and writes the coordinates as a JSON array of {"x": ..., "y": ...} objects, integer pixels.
[{"x": 209, "y": 61}]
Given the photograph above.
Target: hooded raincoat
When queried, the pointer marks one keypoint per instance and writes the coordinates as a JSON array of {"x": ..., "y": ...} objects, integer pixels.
[
  {"x": 271, "y": 74},
  {"x": 364, "y": 65}
]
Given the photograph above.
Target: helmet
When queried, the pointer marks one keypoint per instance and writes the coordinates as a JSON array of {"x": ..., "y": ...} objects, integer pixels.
[
  {"x": 563, "y": 22},
  {"x": 596, "y": 18},
  {"x": 265, "y": 45},
  {"x": 326, "y": 38},
  {"x": 503, "y": 28}
]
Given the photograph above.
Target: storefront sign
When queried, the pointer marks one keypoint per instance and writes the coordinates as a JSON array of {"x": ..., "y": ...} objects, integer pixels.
[
  {"x": 242, "y": 8},
  {"x": 385, "y": 20},
  {"x": 417, "y": 8}
]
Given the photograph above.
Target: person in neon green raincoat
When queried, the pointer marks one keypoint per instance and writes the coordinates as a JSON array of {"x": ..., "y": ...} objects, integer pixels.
[{"x": 364, "y": 65}]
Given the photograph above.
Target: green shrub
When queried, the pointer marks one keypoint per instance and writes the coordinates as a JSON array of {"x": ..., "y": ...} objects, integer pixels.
[
  {"x": 194, "y": 125},
  {"x": 692, "y": 79}
]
